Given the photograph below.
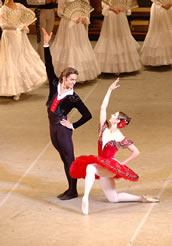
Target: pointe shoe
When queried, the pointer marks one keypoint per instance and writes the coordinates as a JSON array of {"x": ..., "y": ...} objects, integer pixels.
[
  {"x": 145, "y": 198},
  {"x": 85, "y": 205}
]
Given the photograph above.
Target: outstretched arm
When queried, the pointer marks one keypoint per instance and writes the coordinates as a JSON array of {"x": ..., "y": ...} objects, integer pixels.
[{"x": 105, "y": 102}]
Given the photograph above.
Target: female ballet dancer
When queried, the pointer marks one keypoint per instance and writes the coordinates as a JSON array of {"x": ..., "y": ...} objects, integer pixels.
[
  {"x": 116, "y": 49},
  {"x": 104, "y": 166},
  {"x": 71, "y": 46},
  {"x": 157, "y": 47},
  {"x": 21, "y": 69}
]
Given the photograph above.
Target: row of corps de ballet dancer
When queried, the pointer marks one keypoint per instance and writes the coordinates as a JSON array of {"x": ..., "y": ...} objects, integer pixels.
[
  {"x": 116, "y": 49},
  {"x": 105, "y": 166},
  {"x": 21, "y": 69},
  {"x": 115, "y": 52}
]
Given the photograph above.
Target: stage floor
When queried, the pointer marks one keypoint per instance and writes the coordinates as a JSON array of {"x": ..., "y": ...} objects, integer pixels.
[{"x": 32, "y": 174}]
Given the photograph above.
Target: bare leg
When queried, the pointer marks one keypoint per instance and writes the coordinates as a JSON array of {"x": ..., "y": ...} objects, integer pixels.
[{"x": 89, "y": 181}]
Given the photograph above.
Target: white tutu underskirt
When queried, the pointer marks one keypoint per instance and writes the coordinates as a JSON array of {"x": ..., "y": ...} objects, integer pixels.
[
  {"x": 157, "y": 47},
  {"x": 21, "y": 69},
  {"x": 116, "y": 49},
  {"x": 72, "y": 48}
]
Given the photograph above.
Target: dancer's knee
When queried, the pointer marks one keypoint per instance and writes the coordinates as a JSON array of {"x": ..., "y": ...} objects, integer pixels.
[
  {"x": 91, "y": 169},
  {"x": 112, "y": 196}
]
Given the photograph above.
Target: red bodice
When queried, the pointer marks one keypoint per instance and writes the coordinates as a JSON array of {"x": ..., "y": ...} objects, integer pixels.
[
  {"x": 108, "y": 151},
  {"x": 112, "y": 146}
]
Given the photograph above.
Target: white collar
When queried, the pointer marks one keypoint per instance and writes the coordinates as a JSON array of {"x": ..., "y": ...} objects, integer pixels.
[{"x": 64, "y": 94}]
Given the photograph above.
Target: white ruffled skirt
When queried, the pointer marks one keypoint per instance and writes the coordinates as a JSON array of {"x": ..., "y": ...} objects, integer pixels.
[
  {"x": 72, "y": 48},
  {"x": 157, "y": 47},
  {"x": 116, "y": 49},
  {"x": 21, "y": 69}
]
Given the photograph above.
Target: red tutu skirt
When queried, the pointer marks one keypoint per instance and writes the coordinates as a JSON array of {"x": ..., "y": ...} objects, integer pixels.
[{"x": 78, "y": 167}]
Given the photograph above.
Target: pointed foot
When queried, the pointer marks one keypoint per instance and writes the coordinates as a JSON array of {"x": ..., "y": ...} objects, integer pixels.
[
  {"x": 148, "y": 199},
  {"x": 85, "y": 205}
]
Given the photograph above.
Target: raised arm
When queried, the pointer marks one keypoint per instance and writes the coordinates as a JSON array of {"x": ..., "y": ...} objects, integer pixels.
[
  {"x": 48, "y": 59},
  {"x": 105, "y": 102}
]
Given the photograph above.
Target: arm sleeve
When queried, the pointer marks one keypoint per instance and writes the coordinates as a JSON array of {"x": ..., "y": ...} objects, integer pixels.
[
  {"x": 157, "y": 2},
  {"x": 49, "y": 65},
  {"x": 36, "y": 2},
  {"x": 126, "y": 142},
  {"x": 61, "y": 4},
  {"x": 86, "y": 115},
  {"x": 105, "y": 9}
]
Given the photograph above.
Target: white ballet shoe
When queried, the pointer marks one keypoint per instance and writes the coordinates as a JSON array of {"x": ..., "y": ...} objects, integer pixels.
[
  {"x": 85, "y": 205},
  {"x": 145, "y": 198},
  {"x": 16, "y": 97}
]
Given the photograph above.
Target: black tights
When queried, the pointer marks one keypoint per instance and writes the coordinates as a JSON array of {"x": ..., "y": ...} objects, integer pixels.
[{"x": 61, "y": 138}]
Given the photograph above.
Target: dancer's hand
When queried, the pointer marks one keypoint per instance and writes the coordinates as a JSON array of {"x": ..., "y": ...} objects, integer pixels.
[
  {"x": 66, "y": 123},
  {"x": 168, "y": 6},
  {"x": 23, "y": 28},
  {"x": 47, "y": 37},
  {"x": 78, "y": 20},
  {"x": 114, "y": 85},
  {"x": 84, "y": 20},
  {"x": 116, "y": 11}
]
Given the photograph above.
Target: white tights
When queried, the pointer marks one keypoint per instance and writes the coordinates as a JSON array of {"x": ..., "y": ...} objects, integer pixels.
[{"x": 107, "y": 184}]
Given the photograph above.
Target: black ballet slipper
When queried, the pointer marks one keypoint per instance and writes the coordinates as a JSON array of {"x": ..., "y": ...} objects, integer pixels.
[
  {"x": 62, "y": 194},
  {"x": 69, "y": 196}
]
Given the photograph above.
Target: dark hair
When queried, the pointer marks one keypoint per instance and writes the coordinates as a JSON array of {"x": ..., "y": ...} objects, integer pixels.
[
  {"x": 67, "y": 72},
  {"x": 123, "y": 116}
]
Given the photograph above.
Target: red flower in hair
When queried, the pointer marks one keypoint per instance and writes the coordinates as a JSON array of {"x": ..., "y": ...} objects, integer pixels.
[{"x": 121, "y": 124}]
